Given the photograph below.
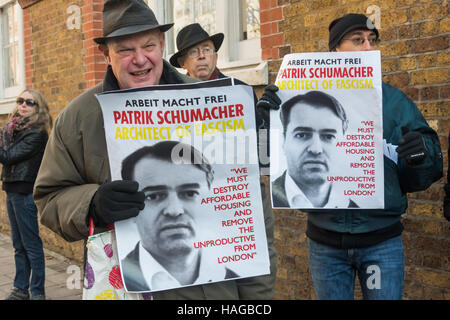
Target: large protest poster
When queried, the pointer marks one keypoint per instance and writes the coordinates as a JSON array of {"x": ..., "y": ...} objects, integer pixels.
[
  {"x": 327, "y": 138},
  {"x": 192, "y": 149}
]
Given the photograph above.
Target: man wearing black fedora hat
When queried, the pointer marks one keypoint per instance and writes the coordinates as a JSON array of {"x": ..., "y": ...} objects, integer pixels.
[
  {"x": 197, "y": 52},
  {"x": 343, "y": 243},
  {"x": 74, "y": 181}
]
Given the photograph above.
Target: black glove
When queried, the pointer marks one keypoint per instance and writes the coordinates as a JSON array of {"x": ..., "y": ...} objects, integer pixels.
[
  {"x": 411, "y": 146},
  {"x": 116, "y": 200},
  {"x": 447, "y": 208},
  {"x": 269, "y": 100}
]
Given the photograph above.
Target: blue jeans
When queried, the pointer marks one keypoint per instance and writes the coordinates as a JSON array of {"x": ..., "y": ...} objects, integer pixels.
[
  {"x": 28, "y": 250},
  {"x": 380, "y": 270}
]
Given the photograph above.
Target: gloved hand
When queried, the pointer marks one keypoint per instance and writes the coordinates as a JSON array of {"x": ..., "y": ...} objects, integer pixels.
[
  {"x": 447, "y": 209},
  {"x": 116, "y": 200},
  {"x": 269, "y": 100},
  {"x": 411, "y": 146}
]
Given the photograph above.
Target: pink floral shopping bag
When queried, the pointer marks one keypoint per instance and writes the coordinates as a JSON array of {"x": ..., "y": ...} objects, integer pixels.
[{"x": 102, "y": 278}]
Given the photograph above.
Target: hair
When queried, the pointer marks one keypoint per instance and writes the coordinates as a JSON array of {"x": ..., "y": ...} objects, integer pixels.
[
  {"x": 317, "y": 99},
  {"x": 340, "y": 27},
  {"x": 41, "y": 117},
  {"x": 171, "y": 151}
]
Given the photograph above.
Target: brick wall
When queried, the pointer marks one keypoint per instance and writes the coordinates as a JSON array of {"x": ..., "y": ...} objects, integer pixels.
[
  {"x": 54, "y": 65},
  {"x": 416, "y": 56},
  {"x": 94, "y": 61},
  {"x": 56, "y": 53}
]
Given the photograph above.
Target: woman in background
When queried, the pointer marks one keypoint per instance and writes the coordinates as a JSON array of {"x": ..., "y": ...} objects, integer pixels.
[{"x": 22, "y": 144}]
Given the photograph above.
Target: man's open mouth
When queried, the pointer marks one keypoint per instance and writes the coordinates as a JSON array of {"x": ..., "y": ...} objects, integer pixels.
[{"x": 140, "y": 73}]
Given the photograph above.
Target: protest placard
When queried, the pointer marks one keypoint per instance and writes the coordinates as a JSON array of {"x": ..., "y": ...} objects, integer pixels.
[
  {"x": 327, "y": 138},
  {"x": 192, "y": 149}
]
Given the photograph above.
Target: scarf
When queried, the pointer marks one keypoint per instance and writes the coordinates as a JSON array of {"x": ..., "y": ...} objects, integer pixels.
[
  {"x": 15, "y": 125},
  {"x": 214, "y": 74}
]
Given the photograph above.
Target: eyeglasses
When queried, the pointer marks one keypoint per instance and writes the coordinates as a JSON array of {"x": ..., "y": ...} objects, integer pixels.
[
  {"x": 359, "y": 41},
  {"x": 195, "y": 52},
  {"x": 28, "y": 102}
]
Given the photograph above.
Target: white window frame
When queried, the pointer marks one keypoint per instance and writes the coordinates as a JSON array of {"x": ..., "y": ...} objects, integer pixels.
[
  {"x": 8, "y": 95},
  {"x": 239, "y": 59}
]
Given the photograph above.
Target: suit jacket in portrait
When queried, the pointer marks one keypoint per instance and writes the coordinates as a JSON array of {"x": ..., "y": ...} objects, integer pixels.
[{"x": 279, "y": 197}]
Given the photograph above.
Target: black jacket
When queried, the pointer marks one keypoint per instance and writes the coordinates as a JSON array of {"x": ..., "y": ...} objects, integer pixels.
[
  {"x": 279, "y": 198},
  {"x": 21, "y": 162}
]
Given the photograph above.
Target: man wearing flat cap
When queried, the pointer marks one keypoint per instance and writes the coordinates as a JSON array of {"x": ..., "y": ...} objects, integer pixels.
[
  {"x": 74, "y": 181},
  {"x": 343, "y": 243}
]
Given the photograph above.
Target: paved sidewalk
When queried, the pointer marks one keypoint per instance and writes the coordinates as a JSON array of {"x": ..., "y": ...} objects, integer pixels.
[{"x": 58, "y": 272}]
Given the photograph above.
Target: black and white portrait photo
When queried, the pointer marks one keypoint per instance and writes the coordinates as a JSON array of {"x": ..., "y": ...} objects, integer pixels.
[
  {"x": 172, "y": 219},
  {"x": 327, "y": 147},
  {"x": 312, "y": 123},
  {"x": 201, "y": 217}
]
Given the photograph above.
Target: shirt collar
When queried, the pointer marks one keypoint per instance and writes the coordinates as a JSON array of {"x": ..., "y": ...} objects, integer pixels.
[
  {"x": 295, "y": 195},
  {"x": 297, "y": 198},
  {"x": 158, "y": 278},
  {"x": 214, "y": 74},
  {"x": 110, "y": 82}
]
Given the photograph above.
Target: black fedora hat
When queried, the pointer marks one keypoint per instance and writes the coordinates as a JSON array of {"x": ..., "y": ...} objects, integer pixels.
[
  {"x": 124, "y": 17},
  {"x": 191, "y": 35}
]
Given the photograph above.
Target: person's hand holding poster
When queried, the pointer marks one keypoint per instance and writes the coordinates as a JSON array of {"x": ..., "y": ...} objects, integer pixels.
[
  {"x": 327, "y": 138},
  {"x": 192, "y": 150}
]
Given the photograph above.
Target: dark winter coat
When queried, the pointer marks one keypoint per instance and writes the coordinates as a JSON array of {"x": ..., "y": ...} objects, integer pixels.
[
  {"x": 399, "y": 178},
  {"x": 22, "y": 160}
]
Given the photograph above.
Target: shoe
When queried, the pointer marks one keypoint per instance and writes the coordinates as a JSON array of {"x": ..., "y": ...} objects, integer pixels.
[
  {"x": 37, "y": 297},
  {"x": 17, "y": 294}
]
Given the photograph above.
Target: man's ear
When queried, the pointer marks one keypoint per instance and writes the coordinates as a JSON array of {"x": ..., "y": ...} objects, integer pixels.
[
  {"x": 180, "y": 61},
  {"x": 105, "y": 50}
]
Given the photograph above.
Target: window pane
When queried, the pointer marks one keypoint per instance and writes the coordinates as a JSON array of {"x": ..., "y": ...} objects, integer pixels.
[
  {"x": 250, "y": 19},
  {"x": 190, "y": 11},
  {"x": 237, "y": 19},
  {"x": 10, "y": 43}
]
